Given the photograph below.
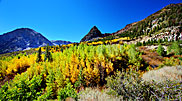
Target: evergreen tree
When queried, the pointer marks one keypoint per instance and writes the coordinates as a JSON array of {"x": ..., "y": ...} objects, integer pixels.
[
  {"x": 155, "y": 41},
  {"x": 149, "y": 34},
  {"x": 144, "y": 43},
  {"x": 149, "y": 42},
  {"x": 39, "y": 57},
  {"x": 139, "y": 44},
  {"x": 157, "y": 28},
  {"x": 159, "y": 40},
  {"x": 163, "y": 25},
  {"x": 166, "y": 40},
  {"x": 48, "y": 55}
]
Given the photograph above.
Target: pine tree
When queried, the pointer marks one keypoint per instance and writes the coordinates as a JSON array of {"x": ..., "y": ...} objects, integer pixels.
[
  {"x": 149, "y": 42},
  {"x": 39, "y": 57},
  {"x": 144, "y": 43},
  {"x": 48, "y": 55},
  {"x": 159, "y": 40}
]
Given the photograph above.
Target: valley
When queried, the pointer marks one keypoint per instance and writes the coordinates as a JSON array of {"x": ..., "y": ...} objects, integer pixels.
[{"x": 142, "y": 61}]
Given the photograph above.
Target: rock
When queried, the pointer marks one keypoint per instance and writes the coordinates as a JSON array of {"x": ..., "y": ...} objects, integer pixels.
[{"x": 93, "y": 33}]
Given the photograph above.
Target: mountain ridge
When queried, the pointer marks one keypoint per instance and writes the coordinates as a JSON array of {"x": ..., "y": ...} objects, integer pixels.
[
  {"x": 128, "y": 26},
  {"x": 23, "y": 39},
  {"x": 165, "y": 18}
]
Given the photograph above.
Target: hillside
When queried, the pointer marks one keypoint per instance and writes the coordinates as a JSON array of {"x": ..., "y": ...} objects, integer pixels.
[{"x": 166, "y": 20}]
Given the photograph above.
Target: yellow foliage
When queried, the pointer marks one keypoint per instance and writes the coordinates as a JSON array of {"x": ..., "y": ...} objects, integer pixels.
[
  {"x": 18, "y": 65},
  {"x": 69, "y": 62}
]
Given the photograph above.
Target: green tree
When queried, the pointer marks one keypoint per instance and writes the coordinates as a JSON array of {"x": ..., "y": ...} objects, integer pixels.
[
  {"x": 39, "y": 57},
  {"x": 160, "y": 50},
  {"x": 176, "y": 48},
  {"x": 152, "y": 41},
  {"x": 139, "y": 44},
  {"x": 159, "y": 41},
  {"x": 48, "y": 55},
  {"x": 144, "y": 43}
]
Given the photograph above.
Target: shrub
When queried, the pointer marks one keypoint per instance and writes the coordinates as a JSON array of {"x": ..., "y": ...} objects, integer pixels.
[
  {"x": 171, "y": 62},
  {"x": 160, "y": 50},
  {"x": 129, "y": 85},
  {"x": 172, "y": 73},
  {"x": 175, "y": 47}
]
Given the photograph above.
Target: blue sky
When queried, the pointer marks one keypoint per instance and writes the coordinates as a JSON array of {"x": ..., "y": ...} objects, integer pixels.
[{"x": 72, "y": 19}]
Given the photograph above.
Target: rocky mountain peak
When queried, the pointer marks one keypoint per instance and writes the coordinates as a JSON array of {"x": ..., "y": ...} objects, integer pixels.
[
  {"x": 21, "y": 39},
  {"x": 93, "y": 33},
  {"x": 95, "y": 30}
]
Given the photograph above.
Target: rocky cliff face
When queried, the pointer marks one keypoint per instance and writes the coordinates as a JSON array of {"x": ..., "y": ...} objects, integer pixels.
[
  {"x": 21, "y": 39},
  {"x": 93, "y": 33}
]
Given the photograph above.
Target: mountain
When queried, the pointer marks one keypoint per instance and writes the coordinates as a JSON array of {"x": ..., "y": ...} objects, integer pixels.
[
  {"x": 169, "y": 16},
  {"x": 21, "y": 39},
  {"x": 60, "y": 42},
  {"x": 166, "y": 20},
  {"x": 93, "y": 33}
]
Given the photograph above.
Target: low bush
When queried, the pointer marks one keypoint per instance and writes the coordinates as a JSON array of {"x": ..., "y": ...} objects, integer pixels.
[
  {"x": 160, "y": 50},
  {"x": 131, "y": 87},
  {"x": 173, "y": 73},
  {"x": 175, "y": 48}
]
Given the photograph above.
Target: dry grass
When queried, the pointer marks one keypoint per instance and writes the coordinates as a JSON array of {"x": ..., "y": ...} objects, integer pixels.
[
  {"x": 94, "y": 94},
  {"x": 173, "y": 73}
]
